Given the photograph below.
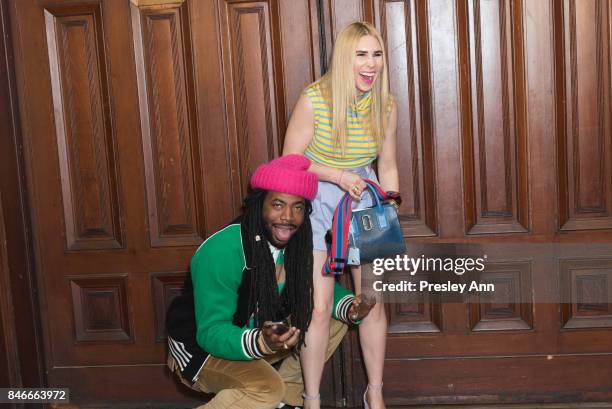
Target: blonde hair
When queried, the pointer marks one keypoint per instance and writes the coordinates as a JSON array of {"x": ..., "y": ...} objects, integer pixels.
[{"x": 338, "y": 84}]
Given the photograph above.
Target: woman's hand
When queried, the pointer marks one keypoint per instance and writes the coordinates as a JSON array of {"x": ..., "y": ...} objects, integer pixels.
[{"x": 352, "y": 183}]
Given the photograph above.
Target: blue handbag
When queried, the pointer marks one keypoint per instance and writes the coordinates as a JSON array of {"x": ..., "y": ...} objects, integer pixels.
[
  {"x": 360, "y": 236},
  {"x": 375, "y": 232}
]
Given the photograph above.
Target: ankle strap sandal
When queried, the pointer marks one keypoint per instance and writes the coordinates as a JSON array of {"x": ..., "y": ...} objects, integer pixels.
[
  {"x": 311, "y": 397},
  {"x": 370, "y": 387}
]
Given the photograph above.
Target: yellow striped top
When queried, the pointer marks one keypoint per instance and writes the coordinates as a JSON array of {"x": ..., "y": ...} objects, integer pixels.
[{"x": 360, "y": 144}]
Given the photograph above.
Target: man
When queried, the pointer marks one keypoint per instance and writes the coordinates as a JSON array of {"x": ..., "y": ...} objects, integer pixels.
[{"x": 248, "y": 280}]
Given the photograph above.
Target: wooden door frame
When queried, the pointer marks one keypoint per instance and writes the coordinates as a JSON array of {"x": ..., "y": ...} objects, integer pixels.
[{"x": 20, "y": 336}]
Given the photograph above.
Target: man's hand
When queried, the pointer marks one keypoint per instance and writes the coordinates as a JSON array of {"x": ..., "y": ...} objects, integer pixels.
[
  {"x": 361, "y": 306},
  {"x": 277, "y": 342}
]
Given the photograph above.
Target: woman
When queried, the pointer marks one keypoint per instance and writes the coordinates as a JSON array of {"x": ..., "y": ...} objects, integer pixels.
[{"x": 343, "y": 122}]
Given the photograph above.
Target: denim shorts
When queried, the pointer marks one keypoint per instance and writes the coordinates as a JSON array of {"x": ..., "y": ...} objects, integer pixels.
[{"x": 324, "y": 205}]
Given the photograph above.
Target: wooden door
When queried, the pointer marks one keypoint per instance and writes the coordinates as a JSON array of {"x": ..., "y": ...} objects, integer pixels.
[
  {"x": 141, "y": 124},
  {"x": 504, "y": 135}
]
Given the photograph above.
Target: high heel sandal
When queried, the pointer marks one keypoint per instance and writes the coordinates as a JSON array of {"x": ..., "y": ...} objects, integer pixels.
[{"x": 374, "y": 388}]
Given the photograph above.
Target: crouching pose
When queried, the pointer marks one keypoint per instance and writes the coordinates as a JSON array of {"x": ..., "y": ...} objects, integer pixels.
[{"x": 248, "y": 300}]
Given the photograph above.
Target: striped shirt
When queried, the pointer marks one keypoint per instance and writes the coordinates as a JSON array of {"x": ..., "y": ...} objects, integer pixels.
[{"x": 360, "y": 143}]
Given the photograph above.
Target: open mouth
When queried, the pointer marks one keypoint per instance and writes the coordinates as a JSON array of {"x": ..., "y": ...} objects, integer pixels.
[
  {"x": 367, "y": 78},
  {"x": 283, "y": 232}
]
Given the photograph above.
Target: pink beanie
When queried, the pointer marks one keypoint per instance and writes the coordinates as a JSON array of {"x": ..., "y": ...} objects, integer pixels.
[{"x": 287, "y": 174}]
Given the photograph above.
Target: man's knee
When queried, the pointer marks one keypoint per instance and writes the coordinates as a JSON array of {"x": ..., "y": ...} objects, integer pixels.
[
  {"x": 270, "y": 392},
  {"x": 264, "y": 389}
]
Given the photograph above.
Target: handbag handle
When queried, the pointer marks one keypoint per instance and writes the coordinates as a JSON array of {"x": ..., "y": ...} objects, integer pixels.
[
  {"x": 378, "y": 194},
  {"x": 337, "y": 251}
]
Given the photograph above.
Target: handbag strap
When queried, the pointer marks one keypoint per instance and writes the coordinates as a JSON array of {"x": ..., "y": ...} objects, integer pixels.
[{"x": 337, "y": 250}]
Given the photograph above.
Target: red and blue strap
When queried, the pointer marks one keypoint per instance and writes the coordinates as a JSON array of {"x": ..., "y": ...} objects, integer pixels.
[
  {"x": 338, "y": 248},
  {"x": 337, "y": 251}
]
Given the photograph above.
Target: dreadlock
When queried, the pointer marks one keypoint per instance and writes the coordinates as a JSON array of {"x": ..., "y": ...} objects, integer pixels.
[{"x": 264, "y": 301}]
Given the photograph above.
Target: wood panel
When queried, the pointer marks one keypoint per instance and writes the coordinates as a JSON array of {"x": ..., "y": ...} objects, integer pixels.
[
  {"x": 174, "y": 155},
  {"x": 418, "y": 312},
  {"x": 441, "y": 27},
  {"x": 221, "y": 197},
  {"x": 476, "y": 379},
  {"x": 300, "y": 49},
  {"x": 587, "y": 286},
  {"x": 490, "y": 77},
  {"x": 250, "y": 88},
  {"x": 506, "y": 309},
  {"x": 85, "y": 136},
  {"x": 146, "y": 3},
  {"x": 404, "y": 28},
  {"x": 166, "y": 287},
  {"x": 96, "y": 305},
  {"x": 168, "y": 122},
  {"x": 280, "y": 40},
  {"x": 24, "y": 365},
  {"x": 494, "y": 138},
  {"x": 271, "y": 52},
  {"x": 100, "y": 308},
  {"x": 344, "y": 12},
  {"x": 584, "y": 112},
  {"x": 9, "y": 353},
  {"x": 337, "y": 14},
  {"x": 9, "y": 374}
]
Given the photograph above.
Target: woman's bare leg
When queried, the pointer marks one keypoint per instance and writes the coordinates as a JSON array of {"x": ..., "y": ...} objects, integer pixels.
[
  {"x": 373, "y": 340},
  {"x": 312, "y": 355}
]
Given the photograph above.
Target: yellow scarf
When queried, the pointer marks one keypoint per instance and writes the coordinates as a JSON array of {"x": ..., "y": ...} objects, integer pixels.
[{"x": 363, "y": 103}]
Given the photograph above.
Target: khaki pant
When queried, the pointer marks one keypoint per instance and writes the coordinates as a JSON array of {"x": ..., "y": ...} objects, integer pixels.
[{"x": 256, "y": 384}]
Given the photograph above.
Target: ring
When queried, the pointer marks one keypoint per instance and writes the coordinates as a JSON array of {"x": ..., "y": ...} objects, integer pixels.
[
  {"x": 285, "y": 345},
  {"x": 356, "y": 189}
]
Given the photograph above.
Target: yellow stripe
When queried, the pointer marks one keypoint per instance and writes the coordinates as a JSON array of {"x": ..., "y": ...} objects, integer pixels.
[{"x": 360, "y": 147}]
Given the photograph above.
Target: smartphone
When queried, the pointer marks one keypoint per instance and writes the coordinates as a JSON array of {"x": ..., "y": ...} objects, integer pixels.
[{"x": 281, "y": 326}]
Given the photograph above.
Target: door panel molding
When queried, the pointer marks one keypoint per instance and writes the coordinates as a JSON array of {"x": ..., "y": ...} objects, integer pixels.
[
  {"x": 584, "y": 110},
  {"x": 83, "y": 120},
  {"x": 405, "y": 29},
  {"x": 162, "y": 42},
  {"x": 494, "y": 139},
  {"x": 21, "y": 332}
]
